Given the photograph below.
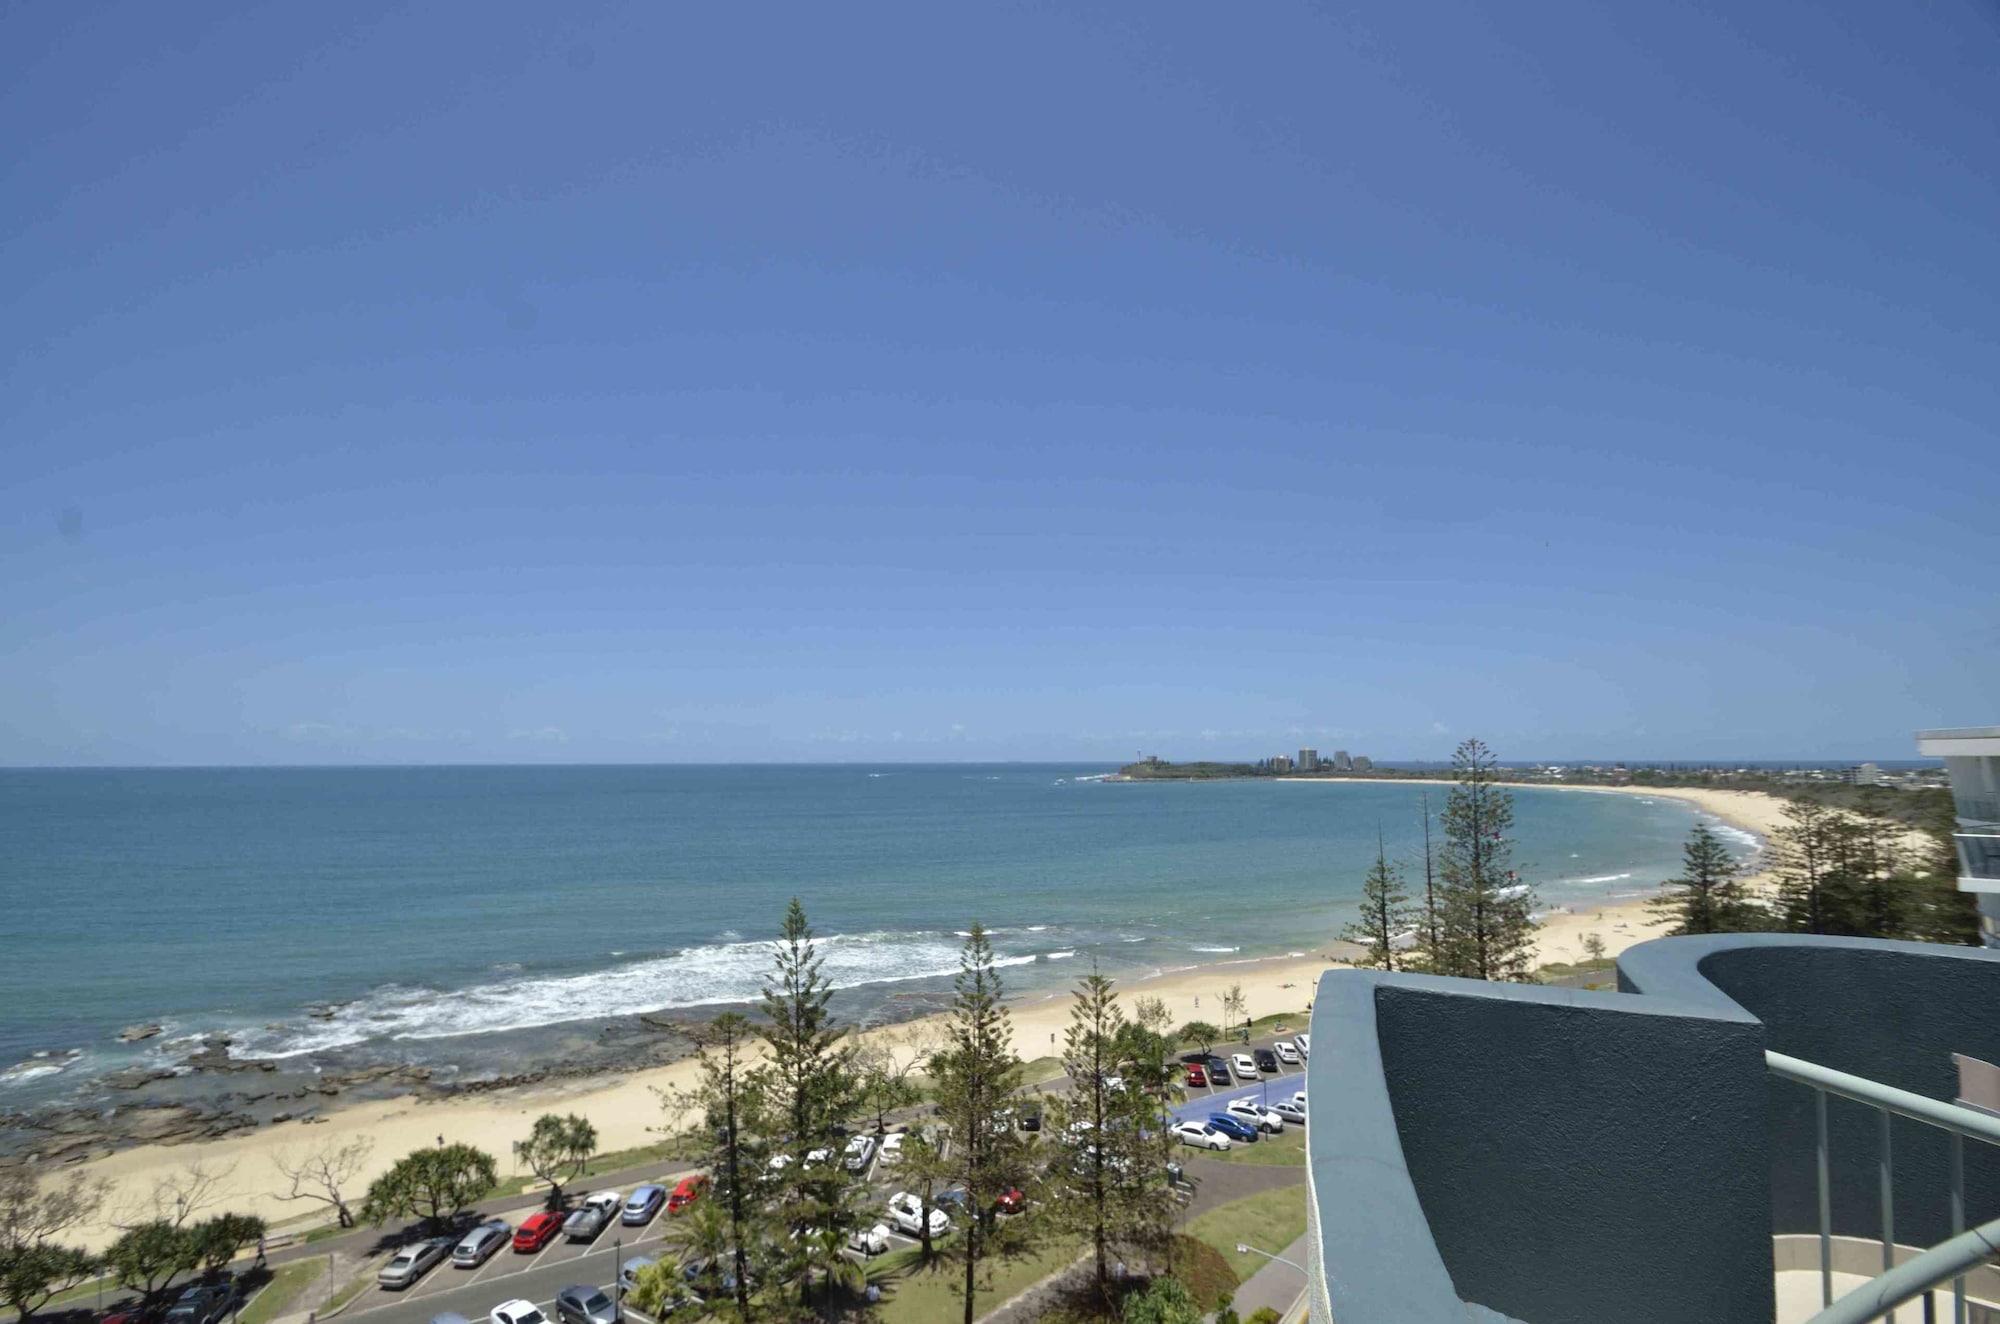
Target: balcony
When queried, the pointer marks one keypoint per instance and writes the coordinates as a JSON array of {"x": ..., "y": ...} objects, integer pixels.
[
  {"x": 1978, "y": 860},
  {"x": 1976, "y": 808},
  {"x": 1756, "y": 1122}
]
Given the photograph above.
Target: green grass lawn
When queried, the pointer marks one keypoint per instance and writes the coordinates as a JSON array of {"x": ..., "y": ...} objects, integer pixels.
[
  {"x": 1268, "y": 1220},
  {"x": 913, "y": 1295},
  {"x": 283, "y": 1289},
  {"x": 1287, "y": 1149}
]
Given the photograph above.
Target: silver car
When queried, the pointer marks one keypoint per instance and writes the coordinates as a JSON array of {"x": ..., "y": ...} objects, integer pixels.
[
  {"x": 585, "y": 1305},
  {"x": 477, "y": 1246},
  {"x": 413, "y": 1262}
]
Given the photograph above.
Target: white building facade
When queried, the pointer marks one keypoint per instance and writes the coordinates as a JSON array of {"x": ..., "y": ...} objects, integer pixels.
[{"x": 1972, "y": 759}]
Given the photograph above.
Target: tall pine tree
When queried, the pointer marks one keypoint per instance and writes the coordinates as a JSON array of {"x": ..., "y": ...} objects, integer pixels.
[
  {"x": 809, "y": 1087},
  {"x": 1706, "y": 897},
  {"x": 1385, "y": 912},
  {"x": 975, "y": 1073},
  {"x": 1486, "y": 918}
]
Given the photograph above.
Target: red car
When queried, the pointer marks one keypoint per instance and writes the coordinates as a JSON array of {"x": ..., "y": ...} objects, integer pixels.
[
  {"x": 685, "y": 1194},
  {"x": 1011, "y": 1201},
  {"x": 1196, "y": 1076},
  {"x": 536, "y": 1231}
]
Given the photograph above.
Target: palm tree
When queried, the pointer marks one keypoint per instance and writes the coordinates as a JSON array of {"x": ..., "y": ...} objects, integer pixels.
[
  {"x": 825, "y": 1252},
  {"x": 702, "y": 1233}
]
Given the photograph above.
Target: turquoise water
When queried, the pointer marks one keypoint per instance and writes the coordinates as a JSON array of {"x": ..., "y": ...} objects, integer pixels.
[{"x": 439, "y": 903}]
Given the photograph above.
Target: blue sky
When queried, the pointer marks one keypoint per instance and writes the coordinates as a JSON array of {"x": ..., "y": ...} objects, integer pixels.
[{"x": 521, "y": 383}]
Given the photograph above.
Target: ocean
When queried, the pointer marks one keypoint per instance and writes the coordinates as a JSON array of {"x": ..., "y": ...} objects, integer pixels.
[{"x": 464, "y": 916}]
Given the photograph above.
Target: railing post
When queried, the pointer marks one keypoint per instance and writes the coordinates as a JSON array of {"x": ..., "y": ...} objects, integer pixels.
[
  {"x": 1957, "y": 1221},
  {"x": 1888, "y": 1183},
  {"x": 1825, "y": 1208}
]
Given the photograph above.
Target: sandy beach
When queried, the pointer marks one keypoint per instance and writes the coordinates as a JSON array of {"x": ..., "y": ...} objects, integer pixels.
[{"x": 627, "y": 1109}]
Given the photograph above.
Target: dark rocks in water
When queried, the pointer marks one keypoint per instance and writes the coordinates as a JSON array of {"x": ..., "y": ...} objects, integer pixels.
[
  {"x": 133, "y": 1034},
  {"x": 132, "y": 1078},
  {"x": 213, "y": 1055}
]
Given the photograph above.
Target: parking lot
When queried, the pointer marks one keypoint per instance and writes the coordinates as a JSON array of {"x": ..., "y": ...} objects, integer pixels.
[
  {"x": 1205, "y": 1099},
  {"x": 537, "y": 1277}
]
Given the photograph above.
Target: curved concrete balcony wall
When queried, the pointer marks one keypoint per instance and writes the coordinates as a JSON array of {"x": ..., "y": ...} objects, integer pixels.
[
  {"x": 1894, "y": 1012},
  {"x": 1562, "y": 1156}
]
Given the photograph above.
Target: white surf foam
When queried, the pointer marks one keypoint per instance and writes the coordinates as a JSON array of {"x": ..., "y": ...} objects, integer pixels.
[
  {"x": 1200, "y": 947},
  {"x": 1595, "y": 878},
  {"x": 692, "y": 977}
]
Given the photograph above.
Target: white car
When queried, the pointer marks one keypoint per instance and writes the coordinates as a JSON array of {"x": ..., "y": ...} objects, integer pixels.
[
  {"x": 1246, "y": 1067},
  {"x": 859, "y": 1151},
  {"x": 1300, "y": 1098},
  {"x": 870, "y": 1240},
  {"x": 518, "y": 1311},
  {"x": 1305, "y": 1045},
  {"x": 906, "y": 1212},
  {"x": 815, "y": 1157},
  {"x": 779, "y": 1162},
  {"x": 892, "y": 1151},
  {"x": 1261, "y": 1118},
  {"x": 1295, "y": 1113},
  {"x": 1199, "y": 1135},
  {"x": 1286, "y": 1053}
]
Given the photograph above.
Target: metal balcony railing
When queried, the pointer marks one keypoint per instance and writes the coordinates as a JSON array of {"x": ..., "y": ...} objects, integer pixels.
[{"x": 1947, "y": 1261}]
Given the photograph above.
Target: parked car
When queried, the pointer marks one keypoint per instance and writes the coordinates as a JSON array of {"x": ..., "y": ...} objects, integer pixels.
[
  {"x": 1267, "y": 1061},
  {"x": 1198, "y": 1135},
  {"x": 628, "y": 1272},
  {"x": 1305, "y": 1043},
  {"x": 413, "y": 1262},
  {"x": 953, "y": 1202},
  {"x": 1218, "y": 1071},
  {"x": 1001, "y": 1122},
  {"x": 1295, "y": 1113},
  {"x": 1233, "y": 1127},
  {"x": 537, "y": 1231},
  {"x": 518, "y": 1312},
  {"x": 1010, "y": 1201},
  {"x": 1249, "y": 1110},
  {"x": 686, "y": 1191},
  {"x": 1031, "y": 1117},
  {"x": 712, "y": 1278},
  {"x": 1287, "y": 1054},
  {"x": 592, "y": 1216},
  {"x": 1300, "y": 1098},
  {"x": 892, "y": 1151},
  {"x": 870, "y": 1240},
  {"x": 1244, "y": 1065},
  {"x": 203, "y": 1303},
  {"x": 578, "y": 1304},
  {"x": 857, "y": 1154},
  {"x": 1196, "y": 1075},
  {"x": 642, "y": 1204},
  {"x": 906, "y": 1212},
  {"x": 478, "y": 1245}
]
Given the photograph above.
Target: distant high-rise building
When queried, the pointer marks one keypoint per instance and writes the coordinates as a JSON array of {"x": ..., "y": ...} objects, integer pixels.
[
  {"x": 1281, "y": 763},
  {"x": 1342, "y": 763},
  {"x": 1308, "y": 760},
  {"x": 1865, "y": 774},
  {"x": 1362, "y": 763}
]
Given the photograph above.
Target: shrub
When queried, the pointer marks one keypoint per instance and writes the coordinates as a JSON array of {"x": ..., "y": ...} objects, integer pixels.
[{"x": 1209, "y": 1278}]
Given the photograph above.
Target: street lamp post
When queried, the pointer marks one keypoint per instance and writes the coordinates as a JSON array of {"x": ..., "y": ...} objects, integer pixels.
[
  {"x": 1242, "y": 1249},
  {"x": 617, "y": 1272}
]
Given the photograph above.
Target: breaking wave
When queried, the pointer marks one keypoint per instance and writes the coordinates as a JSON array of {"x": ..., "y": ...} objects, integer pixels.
[{"x": 692, "y": 977}]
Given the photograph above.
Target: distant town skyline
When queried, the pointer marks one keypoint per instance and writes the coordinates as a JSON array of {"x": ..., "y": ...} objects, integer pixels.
[{"x": 628, "y": 386}]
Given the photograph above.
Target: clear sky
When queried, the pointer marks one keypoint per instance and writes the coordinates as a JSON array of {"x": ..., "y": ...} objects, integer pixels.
[{"x": 512, "y": 382}]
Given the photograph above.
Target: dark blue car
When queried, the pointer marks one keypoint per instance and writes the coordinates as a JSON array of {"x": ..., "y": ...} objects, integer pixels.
[
  {"x": 1233, "y": 1127},
  {"x": 1218, "y": 1071}
]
